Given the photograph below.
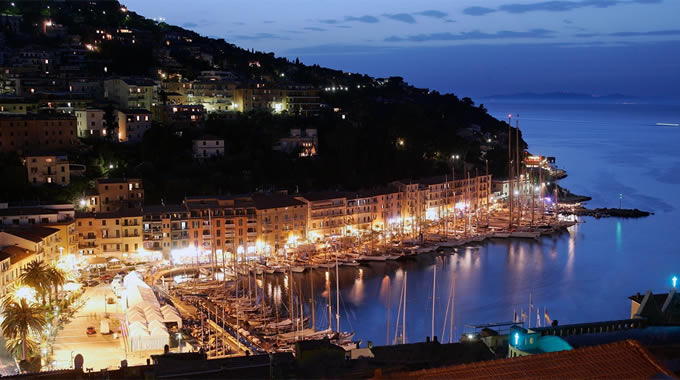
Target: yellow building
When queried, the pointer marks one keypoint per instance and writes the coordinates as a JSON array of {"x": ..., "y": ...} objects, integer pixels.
[
  {"x": 326, "y": 214},
  {"x": 111, "y": 234},
  {"x": 48, "y": 168},
  {"x": 281, "y": 222}
]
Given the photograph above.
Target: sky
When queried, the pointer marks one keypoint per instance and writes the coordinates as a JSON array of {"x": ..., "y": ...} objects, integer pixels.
[{"x": 468, "y": 47}]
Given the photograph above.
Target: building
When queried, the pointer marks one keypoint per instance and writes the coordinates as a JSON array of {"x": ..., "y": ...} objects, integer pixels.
[
  {"x": 113, "y": 194},
  {"x": 132, "y": 124},
  {"x": 43, "y": 241},
  {"x": 37, "y": 132},
  {"x": 57, "y": 216},
  {"x": 111, "y": 234},
  {"x": 281, "y": 222},
  {"x": 208, "y": 146},
  {"x": 259, "y": 97},
  {"x": 621, "y": 360},
  {"x": 214, "y": 93},
  {"x": 47, "y": 168},
  {"x": 132, "y": 92},
  {"x": 326, "y": 212},
  {"x": 91, "y": 123},
  {"x": 18, "y": 106},
  {"x": 166, "y": 228},
  {"x": 181, "y": 115},
  {"x": 221, "y": 229},
  {"x": 303, "y": 143},
  {"x": 375, "y": 210},
  {"x": 302, "y": 100}
]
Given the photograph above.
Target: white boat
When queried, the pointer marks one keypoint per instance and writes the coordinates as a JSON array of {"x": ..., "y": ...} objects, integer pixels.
[
  {"x": 351, "y": 264},
  {"x": 298, "y": 269},
  {"x": 501, "y": 235},
  {"x": 392, "y": 257}
]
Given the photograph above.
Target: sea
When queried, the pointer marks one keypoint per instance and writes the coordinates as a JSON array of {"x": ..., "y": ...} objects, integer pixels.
[{"x": 615, "y": 153}]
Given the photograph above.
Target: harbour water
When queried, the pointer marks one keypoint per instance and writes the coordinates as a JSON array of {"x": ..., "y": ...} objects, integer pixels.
[{"x": 613, "y": 153}]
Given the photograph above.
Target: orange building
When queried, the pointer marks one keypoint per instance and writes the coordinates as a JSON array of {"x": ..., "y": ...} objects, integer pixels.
[
  {"x": 37, "y": 132},
  {"x": 221, "y": 227},
  {"x": 113, "y": 194}
]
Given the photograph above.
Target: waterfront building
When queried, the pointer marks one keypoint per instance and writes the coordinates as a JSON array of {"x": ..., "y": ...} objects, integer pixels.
[
  {"x": 207, "y": 146},
  {"x": 166, "y": 228},
  {"x": 132, "y": 124},
  {"x": 222, "y": 228},
  {"x": 113, "y": 194},
  {"x": 58, "y": 216},
  {"x": 377, "y": 210},
  {"x": 37, "y": 132},
  {"x": 111, "y": 234},
  {"x": 326, "y": 213},
  {"x": 91, "y": 123},
  {"x": 132, "y": 92},
  {"x": 281, "y": 222},
  {"x": 47, "y": 168}
]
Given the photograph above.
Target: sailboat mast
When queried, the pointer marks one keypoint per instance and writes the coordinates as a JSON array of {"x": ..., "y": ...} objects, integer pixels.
[
  {"x": 311, "y": 277},
  {"x": 403, "y": 320},
  {"x": 453, "y": 302},
  {"x": 434, "y": 288},
  {"x": 389, "y": 294},
  {"x": 337, "y": 294}
]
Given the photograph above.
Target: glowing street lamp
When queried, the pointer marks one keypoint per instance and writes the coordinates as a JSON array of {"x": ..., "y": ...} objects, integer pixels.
[
  {"x": 516, "y": 339},
  {"x": 675, "y": 280}
]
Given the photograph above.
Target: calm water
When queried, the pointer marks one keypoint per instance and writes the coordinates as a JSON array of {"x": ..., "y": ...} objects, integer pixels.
[{"x": 584, "y": 275}]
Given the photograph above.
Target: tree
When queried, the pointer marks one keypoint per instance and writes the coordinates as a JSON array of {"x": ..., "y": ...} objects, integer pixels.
[
  {"x": 110, "y": 121},
  {"x": 57, "y": 278},
  {"x": 20, "y": 320},
  {"x": 36, "y": 275}
]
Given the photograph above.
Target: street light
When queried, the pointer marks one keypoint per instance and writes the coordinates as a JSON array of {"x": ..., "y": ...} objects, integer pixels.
[{"x": 675, "y": 281}]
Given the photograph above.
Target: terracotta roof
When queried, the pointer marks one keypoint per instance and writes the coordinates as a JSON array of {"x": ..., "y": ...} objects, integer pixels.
[
  {"x": 621, "y": 360},
  {"x": 270, "y": 201},
  {"x": 30, "y": 232},
  {"x": 16, "y": 254}
]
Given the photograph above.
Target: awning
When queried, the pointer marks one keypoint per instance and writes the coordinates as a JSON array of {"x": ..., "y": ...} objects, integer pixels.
[{"x": 95, "y": 260}]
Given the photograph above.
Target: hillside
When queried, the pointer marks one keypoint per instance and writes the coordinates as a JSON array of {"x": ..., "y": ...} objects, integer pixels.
[{"x": 371, "y": 130}]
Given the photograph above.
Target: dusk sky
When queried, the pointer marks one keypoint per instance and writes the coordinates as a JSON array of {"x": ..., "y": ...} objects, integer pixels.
[{"x": 472, "y": 48}]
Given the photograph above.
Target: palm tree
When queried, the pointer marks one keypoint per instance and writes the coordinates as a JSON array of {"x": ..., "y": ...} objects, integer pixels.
[
  {"x": 20, "y": 319},
  {"x": 57, "y": 278},
  {"x": 36, "y": 275}
]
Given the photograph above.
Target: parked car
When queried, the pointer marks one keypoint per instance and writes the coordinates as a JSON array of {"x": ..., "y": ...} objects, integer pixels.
[{"x": 91, "y": 331}]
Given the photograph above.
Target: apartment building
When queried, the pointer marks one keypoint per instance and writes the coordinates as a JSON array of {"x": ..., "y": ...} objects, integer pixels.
[
  {"x": 113, "y": 194},
  {"x": 19, "y": 106},
  {"x": 376, "y": 209},
  {"x": 166, "y": 228},
  {"x": 281, "y": 222},
  {"x": 260, "y": 97},
  {"x": 223, "y": 227},
  {"x": 132, "y": 124},
  {"x": 111, "y": 234},
  {"x": 91, "y": 123},
  {"x": 42, "y": 241},
  {"x": 47, "y": 168},
  {"x": 37, "y": 132},
  {"x": 132, "y": 92},
  {"x": 326, "y": 214},
  {"x": 207, "y": 146},
  {"x": 302, "y": 100},
  {"x": 214, "y": 94},
  {"x": 302, "y": 142}
]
